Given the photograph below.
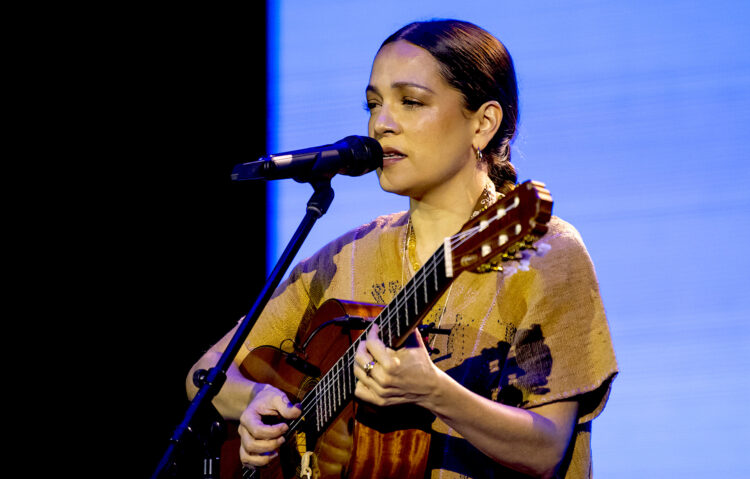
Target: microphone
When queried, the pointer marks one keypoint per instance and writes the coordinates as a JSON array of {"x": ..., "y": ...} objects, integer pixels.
[{"x": 351, "y": 156}]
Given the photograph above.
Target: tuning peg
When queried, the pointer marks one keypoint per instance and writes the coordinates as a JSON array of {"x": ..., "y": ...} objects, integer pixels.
[{"x": 492, "y": 266}]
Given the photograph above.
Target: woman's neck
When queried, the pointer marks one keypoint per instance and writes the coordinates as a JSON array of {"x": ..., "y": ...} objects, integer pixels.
[{"x": 437, "y": 216}]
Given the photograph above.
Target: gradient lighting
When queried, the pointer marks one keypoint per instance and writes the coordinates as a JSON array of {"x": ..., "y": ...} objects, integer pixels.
[{"x": 636, "y": 115}]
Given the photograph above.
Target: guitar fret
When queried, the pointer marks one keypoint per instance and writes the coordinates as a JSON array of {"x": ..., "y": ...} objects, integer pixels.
[
  {"x": 416, "y": 311},
  {"x": 347, "y": 374},
  {"x": 334, "y": 397},
  {"x": 390, "y": 314},
  {"x": 329, "y": 397},
  {"x": 324, "y": 406},
  {"x": 435, "y": 275},
  {"x": 398, "y": 326},
  {"x": 334, "y": 390},
  {"x": 327, "y": 414},
  {"x": 329, "y": 394},
  {"x": 317, "y": 414},
  {"x": 326, "y": 401},
  {"x": 337, "y": 396},
  {"x": 324, "y": 411},
  {"x": 406, "y": 310},
  {"x": 342, "y": 376}
]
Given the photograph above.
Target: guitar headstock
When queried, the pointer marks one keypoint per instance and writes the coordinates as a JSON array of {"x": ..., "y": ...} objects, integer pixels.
[{"x": 512, "y": 224}]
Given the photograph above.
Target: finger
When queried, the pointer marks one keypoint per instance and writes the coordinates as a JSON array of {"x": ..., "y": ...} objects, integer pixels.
[
  {"x": 374, "y": 384},
  {"x": 253, "y": 422},
  {"x": 364, "y": 393},
  {"x": 286, "y": 409},
  {"x": 253, "y": 445},
  {"x": 374, "y": 394},
  {"x": 376, "y": 347},
  {"x": 361, "y": 374},
  {"x": 363, "y": 363},
  {"x": 264, "y": 431},
  {"x": 414, "y": 340},
  {"x": 378, "y": 380},
  {"x": 362, "y": 357},
  {"x": 257, "y": 459}
]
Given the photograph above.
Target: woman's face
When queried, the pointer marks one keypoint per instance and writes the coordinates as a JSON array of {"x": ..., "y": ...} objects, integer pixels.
[{"x": 420, "y": 121}]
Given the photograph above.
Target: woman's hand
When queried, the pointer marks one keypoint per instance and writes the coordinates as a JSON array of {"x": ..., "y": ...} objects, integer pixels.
[
  {"x": 530, "y": 441},
  {"x": 260, "y": 441},
  {"x": 387, "y": 377}
]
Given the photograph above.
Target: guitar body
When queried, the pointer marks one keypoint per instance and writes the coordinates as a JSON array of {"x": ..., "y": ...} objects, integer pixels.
[{"x": 362, "y": 441}]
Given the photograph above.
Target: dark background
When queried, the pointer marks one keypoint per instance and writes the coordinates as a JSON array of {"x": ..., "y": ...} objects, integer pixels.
[{"x": 176, "y": 251}]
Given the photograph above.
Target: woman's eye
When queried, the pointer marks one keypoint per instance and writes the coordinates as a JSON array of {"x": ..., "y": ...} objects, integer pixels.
[
  {"x": 369, "y": 105},
  {"x": 410, "y": 103}
]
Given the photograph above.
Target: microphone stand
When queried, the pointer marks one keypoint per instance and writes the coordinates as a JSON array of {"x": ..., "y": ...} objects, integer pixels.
[{"x": 202, "y": 419}]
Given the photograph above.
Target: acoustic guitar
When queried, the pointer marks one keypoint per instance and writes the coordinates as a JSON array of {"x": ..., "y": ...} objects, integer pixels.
[{"x": 338, "y": 437}]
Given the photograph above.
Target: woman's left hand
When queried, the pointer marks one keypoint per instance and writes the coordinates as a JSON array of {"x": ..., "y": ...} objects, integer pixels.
[{"x": 399, "y": 376}]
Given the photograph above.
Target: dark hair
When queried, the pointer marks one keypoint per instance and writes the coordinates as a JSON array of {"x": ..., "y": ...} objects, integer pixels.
[{"x": 477, "y": 64}]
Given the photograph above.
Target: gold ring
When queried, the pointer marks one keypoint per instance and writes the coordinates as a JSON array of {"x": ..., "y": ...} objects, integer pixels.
[{"x": 368, "y": 367}]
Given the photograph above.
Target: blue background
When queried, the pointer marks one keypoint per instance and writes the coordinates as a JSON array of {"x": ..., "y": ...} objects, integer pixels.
[{"x": 635, "y": 114}]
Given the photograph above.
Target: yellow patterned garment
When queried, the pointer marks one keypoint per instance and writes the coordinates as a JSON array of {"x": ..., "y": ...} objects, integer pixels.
[{"x": 530, "y": 335}]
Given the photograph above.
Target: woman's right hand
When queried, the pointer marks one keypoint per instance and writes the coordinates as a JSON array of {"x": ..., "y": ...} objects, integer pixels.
[{"x": 260, "y": 441}]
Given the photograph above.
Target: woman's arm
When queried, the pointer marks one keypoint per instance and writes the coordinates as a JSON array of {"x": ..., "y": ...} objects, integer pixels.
[
  {"x": 531, "y": 441},
  {"x": 237, "y": 391},
  {"x": 240, "y": 398}
]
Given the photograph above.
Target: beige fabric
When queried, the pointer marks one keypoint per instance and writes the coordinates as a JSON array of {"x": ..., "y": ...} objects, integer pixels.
[{"x": 524, "y": 338}]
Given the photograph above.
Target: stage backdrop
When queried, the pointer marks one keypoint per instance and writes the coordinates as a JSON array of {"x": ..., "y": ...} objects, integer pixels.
[{"x": 636, "y": 115}]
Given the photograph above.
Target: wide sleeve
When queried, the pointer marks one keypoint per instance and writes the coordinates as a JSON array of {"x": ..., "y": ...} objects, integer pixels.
[
  {"x": 327, "y": 274},
  {"x": 282, "y": 315},
  {"x": 562, "y": 347}
]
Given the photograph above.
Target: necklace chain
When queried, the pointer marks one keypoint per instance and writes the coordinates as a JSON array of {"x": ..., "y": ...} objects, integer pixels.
[
  {"x": 410, "y": 246},
  {"x": 409, "y": 256}
]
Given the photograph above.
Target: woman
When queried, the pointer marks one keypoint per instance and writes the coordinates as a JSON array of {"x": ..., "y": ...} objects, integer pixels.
[{"x": 528, "y": 362}]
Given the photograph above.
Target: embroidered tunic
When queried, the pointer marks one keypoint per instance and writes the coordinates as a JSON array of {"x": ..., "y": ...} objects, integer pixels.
[{"x": 530, "y": 335}]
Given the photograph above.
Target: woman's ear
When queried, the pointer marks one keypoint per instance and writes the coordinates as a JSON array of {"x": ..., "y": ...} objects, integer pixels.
[{"x": 489, "y": 116}]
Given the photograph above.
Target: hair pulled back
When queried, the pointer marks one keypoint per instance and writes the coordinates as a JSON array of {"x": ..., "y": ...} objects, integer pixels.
[{"x": 478, "y": 65}]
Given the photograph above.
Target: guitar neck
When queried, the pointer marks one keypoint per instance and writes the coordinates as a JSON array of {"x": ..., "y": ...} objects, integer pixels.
[{"x": 401, "y": 316}]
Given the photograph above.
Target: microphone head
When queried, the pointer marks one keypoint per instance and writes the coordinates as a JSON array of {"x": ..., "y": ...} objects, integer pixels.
[{"x": 362, "y": 153}]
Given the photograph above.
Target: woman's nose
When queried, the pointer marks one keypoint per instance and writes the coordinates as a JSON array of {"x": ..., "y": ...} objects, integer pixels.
[{"x": 384, "y": 122}]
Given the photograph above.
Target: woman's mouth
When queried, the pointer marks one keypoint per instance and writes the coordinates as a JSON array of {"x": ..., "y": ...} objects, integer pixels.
[{"x": 391, "y": 156}]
